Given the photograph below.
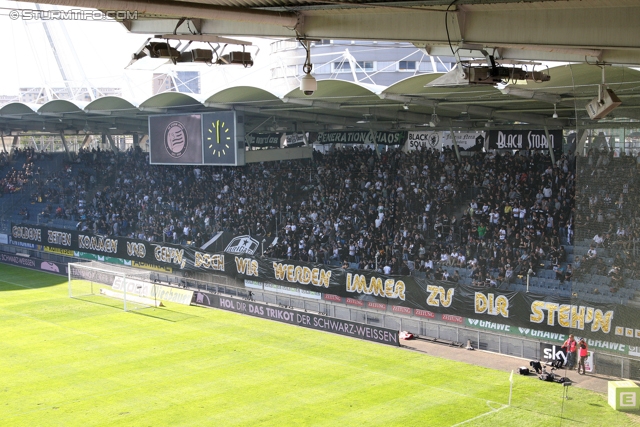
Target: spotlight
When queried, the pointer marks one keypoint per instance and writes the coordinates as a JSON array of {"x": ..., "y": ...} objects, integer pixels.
[
  {"x": 197, "y": 55},
  {"x": 555, "y": 112},
  {"x": 154, "y": 54},
  {"x": 238, "y": 58},
  {"x": 603, "y": 104},
  {"x": 405, "y": 106},
  {"x": 157, "y": 53}
]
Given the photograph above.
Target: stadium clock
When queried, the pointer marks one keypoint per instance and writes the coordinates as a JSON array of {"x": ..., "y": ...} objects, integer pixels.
[{"x": 219, "y": 138}]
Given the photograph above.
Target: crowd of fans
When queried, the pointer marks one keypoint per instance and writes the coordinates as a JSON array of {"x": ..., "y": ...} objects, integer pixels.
[
  {"x": 497, "y": 215},
  {"x": 15, "y": 178},
  {"x": 607, "y": 216}
]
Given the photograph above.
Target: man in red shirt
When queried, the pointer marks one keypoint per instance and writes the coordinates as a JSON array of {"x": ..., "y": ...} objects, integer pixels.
[
  {"x": 570, "y": 346},
  {"x": 583, "y": 352}
]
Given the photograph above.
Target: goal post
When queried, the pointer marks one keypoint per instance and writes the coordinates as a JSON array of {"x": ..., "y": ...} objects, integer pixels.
[{"x": 119, "y": 287}]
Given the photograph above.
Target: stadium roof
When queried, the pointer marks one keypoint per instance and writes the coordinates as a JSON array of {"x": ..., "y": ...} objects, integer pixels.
[
  {"x": 543, "y": 30},
  {"x": 336, "y": 104}
]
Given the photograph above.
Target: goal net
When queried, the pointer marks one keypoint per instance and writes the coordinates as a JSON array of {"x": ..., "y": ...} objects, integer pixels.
[{"x": 121, "y": 287}]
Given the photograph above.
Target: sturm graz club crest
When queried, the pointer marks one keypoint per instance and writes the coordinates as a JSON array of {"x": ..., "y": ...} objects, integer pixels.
[
  {"x": 242, "y": 245},
  {"x": 433, "y": 139},
  {"x": 175, "y": 139}
]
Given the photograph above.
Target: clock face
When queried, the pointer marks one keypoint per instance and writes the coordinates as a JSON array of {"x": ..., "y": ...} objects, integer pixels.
[{"x": 219, "y": 138}]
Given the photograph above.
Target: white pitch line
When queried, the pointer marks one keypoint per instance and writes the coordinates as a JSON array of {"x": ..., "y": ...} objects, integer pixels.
[
  {"x": 17, "y": 284},
  {"x": 40, "y": 320},
  {"x": 493, "y": 411},
  {"x": 46, "y": 321}
]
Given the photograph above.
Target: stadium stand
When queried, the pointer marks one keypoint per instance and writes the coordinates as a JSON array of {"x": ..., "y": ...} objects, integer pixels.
[{"x": 484, "y": 221}]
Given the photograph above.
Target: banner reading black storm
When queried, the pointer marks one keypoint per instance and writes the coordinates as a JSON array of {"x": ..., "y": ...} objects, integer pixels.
[
  {"x": 525, "y": 140},
  {"x": 609, "y": 327}
]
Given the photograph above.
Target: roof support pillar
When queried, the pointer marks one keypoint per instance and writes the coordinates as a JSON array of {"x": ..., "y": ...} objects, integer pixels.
[
  {"x": 85, "y": 141},
  {"x": 581, "y": 141},
  {"x": 111, "y": 143},
  {"x": 455, "y": 144},
  {"x": 551, "y": 153},
  {"x": 64, "y": 144},
  {"x": 14, "y": 145}
]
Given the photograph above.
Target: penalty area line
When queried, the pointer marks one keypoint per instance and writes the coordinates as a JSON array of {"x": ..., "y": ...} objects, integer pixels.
[
  {"x": 17, "y": 284},
  {"x": 17, "y": 313},
  {"x": 492, "y": 411},
  {"x": 28, "y": 316}
]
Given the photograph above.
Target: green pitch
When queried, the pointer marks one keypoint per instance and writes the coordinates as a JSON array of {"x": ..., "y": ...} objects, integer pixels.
[{"x": 68, "y": 362}]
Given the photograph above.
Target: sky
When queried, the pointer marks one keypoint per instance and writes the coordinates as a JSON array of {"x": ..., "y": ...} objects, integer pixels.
[{"x": 93, "y": 50}]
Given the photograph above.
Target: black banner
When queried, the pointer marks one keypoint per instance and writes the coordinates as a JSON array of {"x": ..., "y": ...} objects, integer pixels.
[
  {"x": 166, "y": 254},
  {"x": 33, "y": 263},
  {"x": 361, "y": 137},
  {"x": 217, "y": 255},
  {"x": 263, "y": 140},
  {"x": 304, "y": 319},
  {"x": 609, "y": 327},
  {"x": 525, "y": 140}
]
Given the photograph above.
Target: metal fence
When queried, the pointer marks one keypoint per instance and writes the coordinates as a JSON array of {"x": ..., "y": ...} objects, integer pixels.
[{"x": 605, "y": 364}]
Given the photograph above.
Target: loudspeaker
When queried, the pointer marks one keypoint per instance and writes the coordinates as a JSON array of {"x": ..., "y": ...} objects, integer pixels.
[{"x": 605, "y": 103}]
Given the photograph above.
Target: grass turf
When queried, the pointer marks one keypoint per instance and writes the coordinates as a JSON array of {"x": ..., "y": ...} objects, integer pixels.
[{"x": 68, "y": 362}]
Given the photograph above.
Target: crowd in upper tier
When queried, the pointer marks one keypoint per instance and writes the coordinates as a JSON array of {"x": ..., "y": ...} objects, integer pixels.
[
  {"x": 498, "y": 214},
  {"x": 14, "y": 179}
]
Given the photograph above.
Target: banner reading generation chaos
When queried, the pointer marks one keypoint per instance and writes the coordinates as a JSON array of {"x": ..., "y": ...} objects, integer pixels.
[
  {"x": 610, "y": 326},
  {"x": 382, "y": 137}
]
